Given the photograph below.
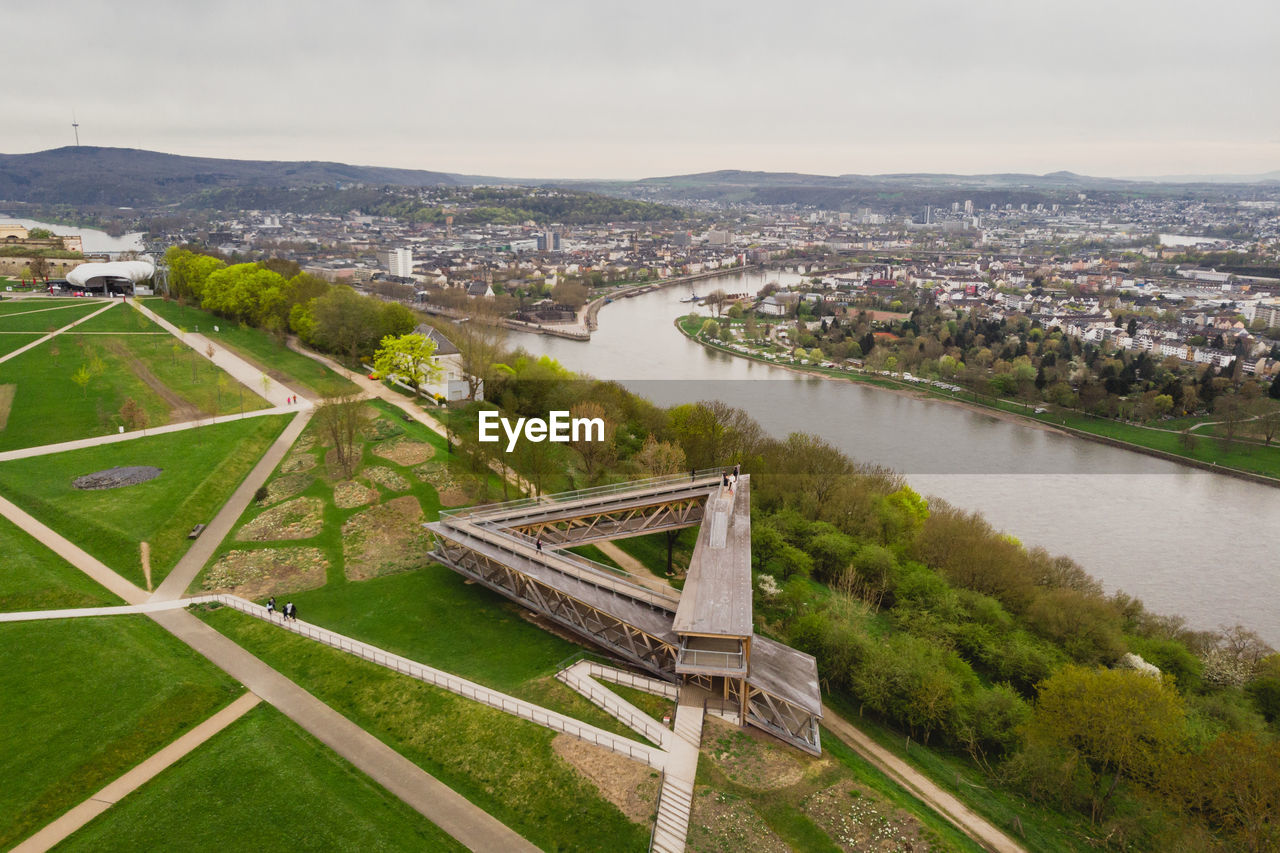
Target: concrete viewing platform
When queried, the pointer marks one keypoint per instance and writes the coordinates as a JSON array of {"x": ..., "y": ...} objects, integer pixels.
[{"x": 700, "y": 636}]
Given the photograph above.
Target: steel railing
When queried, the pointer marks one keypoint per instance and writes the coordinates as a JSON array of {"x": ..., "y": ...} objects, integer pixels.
[
  {"x": 536, "y": 714},
  {"x": 711, "y": 659}
]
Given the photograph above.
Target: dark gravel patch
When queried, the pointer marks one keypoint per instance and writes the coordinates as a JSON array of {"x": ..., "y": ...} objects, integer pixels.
[{"x": 114, "y": 478}]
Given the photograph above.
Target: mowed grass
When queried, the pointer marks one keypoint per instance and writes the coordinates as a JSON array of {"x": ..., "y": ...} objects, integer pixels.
[
  {"x": 49, "y": 406},
  {"x": 651, "y": 551},
  {"x": 267, "y": 784},
  {"x": 123, "y": 317},
  {"x": 43, "y": 317},
  {"x": 504, "y": 765},
  {"x": 201, "y": 468},
  {"x": 11, "y": 342},
  {"x": 34, "y": 578},
  {"x": 257, "y": 346},
  {"x": 82, "y": 701}
]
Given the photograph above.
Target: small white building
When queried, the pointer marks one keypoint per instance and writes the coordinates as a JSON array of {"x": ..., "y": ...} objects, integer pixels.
[{"x": 450, "y": 380}]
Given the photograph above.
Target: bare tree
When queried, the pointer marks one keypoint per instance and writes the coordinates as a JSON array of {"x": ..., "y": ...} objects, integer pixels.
[
  {"x": 340, "y": 418},
  {"x": 480, "y": 340}
]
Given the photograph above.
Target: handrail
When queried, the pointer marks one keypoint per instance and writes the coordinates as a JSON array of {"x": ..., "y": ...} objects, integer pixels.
[
  {"x": 652, "y": 756},
  {"x": 591, "y": 491},
  {"x": 727, "y": 660},
  {"x": 653, "y": 833}
]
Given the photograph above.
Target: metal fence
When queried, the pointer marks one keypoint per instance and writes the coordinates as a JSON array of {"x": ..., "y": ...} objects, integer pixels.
[{"x": 651, "y": 756}]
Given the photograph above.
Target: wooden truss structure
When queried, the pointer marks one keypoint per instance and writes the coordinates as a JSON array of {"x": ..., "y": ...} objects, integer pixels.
[{"x": 515, "y": 550}]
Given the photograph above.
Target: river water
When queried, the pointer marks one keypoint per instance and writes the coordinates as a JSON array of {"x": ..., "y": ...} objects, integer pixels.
[
  {"x": 93, "y": 240},
  {"x": 1184, "y": 541}
]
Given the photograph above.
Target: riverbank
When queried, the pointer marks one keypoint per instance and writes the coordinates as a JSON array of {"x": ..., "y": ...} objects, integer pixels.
[
  {"x": 593, "y": 307},
  {"x": 1256, "y": 464}
]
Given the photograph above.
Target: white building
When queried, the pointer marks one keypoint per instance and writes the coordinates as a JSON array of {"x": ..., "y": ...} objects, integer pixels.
[{"x": 398, "y": 262}]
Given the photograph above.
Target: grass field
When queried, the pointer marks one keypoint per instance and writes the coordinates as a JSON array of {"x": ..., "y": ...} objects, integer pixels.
[
  {"x": 9, "y": 343},
  {"x": 257, "y": 346},
  {"x": 41, "y": 316},
  {"x": 502, "y": 764},
  {"x": 83, "y": 700},
  {"x": 121, "y": 318},
  {"x": 34, "y": 578},
  {"x": 169, "y": 381},
  {"x": 651, "y": 550},
  {"x": 201, "y": 468},
  {"x": 274, "y": 786}
]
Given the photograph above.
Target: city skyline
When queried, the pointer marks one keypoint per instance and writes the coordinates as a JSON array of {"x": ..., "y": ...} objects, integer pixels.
[{"x": 568, "y": 90}]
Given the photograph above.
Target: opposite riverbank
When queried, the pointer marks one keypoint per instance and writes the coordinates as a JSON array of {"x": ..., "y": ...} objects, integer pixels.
[{"x": 1255, "y": 463}]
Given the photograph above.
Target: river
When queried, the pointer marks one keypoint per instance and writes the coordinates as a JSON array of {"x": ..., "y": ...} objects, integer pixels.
[
  {"x": 93, "y": 240},
  {"x": 1184, "y": 541}
]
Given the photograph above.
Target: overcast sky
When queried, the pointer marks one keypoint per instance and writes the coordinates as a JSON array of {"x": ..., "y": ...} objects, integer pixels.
[{"x": 559, "y": 88}]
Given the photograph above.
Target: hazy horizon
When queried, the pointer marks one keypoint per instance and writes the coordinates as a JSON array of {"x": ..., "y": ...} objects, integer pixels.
[{"x": 577, "y": 90}]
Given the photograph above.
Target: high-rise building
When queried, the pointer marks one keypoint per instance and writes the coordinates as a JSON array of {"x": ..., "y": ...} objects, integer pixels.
[
  {"x": 968, "y": 207},
  {"x": 398, "y": 262}
]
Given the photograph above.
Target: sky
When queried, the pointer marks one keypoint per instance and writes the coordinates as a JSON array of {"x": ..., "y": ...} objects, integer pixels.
[{"x": 568, "y": 89}]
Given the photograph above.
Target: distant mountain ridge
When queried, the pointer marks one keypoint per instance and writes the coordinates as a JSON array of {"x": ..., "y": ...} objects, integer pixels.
[
  {"x": 128, "y": 177},
  {"x": 133, "y": 177}
]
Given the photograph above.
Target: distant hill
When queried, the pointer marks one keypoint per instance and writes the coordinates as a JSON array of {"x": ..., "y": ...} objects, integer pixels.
[
  {"x": 126, "y": 177},
  {"x": 86, "y": 175}
]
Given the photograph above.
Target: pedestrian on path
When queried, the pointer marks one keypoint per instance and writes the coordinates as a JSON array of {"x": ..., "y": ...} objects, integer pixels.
[
  {"x": 291, "y": 612},
  {"x": 271, "y": 606},
  {"x": 538, "y": 544}
]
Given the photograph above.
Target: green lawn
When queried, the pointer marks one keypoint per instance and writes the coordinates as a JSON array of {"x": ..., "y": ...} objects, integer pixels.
[
  {"x": 502, "y": 764},
  {"x": 256, "y": 346},
  {"x": 9, "y": 343},
  {"x": 201, "y": 468},
  {"x": 121, "y": 318},
  {"x": 651, "y": 550},
  {"x": 27, "y": 317},
  {"x": 34, "y": 578},
  {"x": 274, "y": 785},
  {"x": 26, "y": 306},
  {"x": 49, "y": 406},
  {"x": 82, "y": 701}
]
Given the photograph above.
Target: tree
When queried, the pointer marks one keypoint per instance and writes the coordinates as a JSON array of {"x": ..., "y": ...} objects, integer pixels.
[
  {"x": 596, "y": 455},
  {"x": 133, "y": 415},
  {"x": 408, "y": 357},
  {"x": 570, "y": 294},
  {"x": 188, "y": 272},
  {"x": 40, "y": 269},
  {"x": 716, "y": 300},
  {"x": 657, "y": 458},
  {"x": 83, "y": 377},
  {"x": 340, "y": 418},
  {"x": 341, "y": 321},
  {"x": 1118, "y": 724},
  {"x": 1235, "y": 784},
  {"x": 480, "y": 343}
]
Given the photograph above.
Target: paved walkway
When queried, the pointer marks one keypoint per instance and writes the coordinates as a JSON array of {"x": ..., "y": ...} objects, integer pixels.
[
  {"x": 48, "y": 837},
  {"x": 73, "y": 554},
  {"x": 374, "y": 388},
  {"x": 965, "y": 819},
  {"x": 469, "y": 824},
  {"x": 242, "y": 371},
  {"x": 181, "y": 576},
  {"x": 38, "y": 341},
  {"x": 675, "y": 802},
  {"x": 116, "y": 438},
  {"x": 150, "y": 606},
  {"x": 652, "y": 756}
]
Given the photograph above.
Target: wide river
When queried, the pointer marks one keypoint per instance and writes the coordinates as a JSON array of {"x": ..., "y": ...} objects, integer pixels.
[{"x": 1184, "y": 541}]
